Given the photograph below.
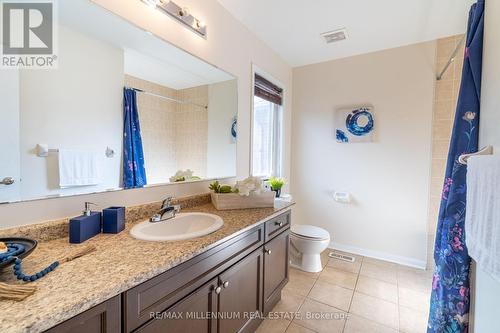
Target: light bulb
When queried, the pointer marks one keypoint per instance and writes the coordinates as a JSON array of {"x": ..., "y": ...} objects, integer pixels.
[
  {"x": 200, "y": 24},
  {"x": 184, "y": 12},
  {"x": 151, "y": 3}
]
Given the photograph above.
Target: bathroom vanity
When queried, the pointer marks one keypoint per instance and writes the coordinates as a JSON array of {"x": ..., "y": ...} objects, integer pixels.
[
  {"x": 236, "y": 281},
  {"x": 235, "y": 277}
]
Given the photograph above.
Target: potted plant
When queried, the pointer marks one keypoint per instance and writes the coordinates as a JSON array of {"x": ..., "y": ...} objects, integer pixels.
[
  {"x": 183, "y": 176},
  {"x": 216, "y": 187},
  {"x": 276, "y": 185}
]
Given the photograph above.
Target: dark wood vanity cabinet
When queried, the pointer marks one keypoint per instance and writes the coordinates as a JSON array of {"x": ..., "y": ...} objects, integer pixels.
[
  {"x": 275, "y": 269},
  {"x": 227, "y": 304},
  {"x": 192, "y": 314},
  {"x": 226, "y": 289},
  {"x": 164, "y": 291},
  {"x": 241, "y": 295},
  {"x": 102, "y": 318}
]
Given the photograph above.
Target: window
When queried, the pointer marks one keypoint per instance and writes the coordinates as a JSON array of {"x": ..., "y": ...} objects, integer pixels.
[{"x": 267, "y": 128}]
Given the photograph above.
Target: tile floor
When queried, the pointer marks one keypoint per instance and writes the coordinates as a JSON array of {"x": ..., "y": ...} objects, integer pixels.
[{"x": 367, "y": 296}]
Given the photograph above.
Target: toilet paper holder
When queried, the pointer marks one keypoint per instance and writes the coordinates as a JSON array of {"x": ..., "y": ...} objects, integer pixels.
[{"x": 342, "y": 197}]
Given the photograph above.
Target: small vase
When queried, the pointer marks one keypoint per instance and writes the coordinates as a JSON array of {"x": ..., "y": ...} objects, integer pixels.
[{"x": 278, "y": 193}]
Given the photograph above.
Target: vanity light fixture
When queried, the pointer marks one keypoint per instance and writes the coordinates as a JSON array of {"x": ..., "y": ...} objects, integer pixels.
[{"x": 179, "y": 13}]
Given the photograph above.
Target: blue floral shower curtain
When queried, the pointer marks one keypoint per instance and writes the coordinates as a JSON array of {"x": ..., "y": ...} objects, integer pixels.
[
  {"x": 450, "y": 299},
  {"x": 134, "y": 173}
]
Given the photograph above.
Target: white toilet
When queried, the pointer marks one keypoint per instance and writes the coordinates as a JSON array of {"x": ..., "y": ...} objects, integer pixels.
[{"x": 306, "y": 244}]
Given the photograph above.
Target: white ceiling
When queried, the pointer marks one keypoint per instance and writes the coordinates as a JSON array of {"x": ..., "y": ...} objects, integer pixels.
[
  {"x": 145, "y": 55},
  {"x": 292, "y": 28}
]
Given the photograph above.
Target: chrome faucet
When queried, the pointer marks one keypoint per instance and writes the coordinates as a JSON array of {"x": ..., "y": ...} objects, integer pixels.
[{"x": 166, "y": 212}]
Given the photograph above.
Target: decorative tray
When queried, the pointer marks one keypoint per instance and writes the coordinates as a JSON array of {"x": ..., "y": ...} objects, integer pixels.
[{"x": 29, "y": 246}]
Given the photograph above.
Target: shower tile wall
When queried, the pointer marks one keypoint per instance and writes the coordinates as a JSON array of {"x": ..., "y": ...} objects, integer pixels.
[
  {"x": 191, "y": 125},
  {"x": 157, "y": 119},
  {"x": 445, "y": 102},
  {"x": 174, "y": 135}
]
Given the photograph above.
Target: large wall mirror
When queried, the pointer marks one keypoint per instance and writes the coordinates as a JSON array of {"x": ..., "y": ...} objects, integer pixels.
[{"x": 123, "y": 109}]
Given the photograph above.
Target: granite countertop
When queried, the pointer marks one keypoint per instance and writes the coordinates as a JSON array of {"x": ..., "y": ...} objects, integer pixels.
[{"x": 120, "y": 263}]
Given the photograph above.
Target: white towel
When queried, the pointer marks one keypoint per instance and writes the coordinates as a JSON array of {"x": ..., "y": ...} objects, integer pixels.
[
  {"x": 79, "y": 168},
  {"x": 482, "y": 218}
]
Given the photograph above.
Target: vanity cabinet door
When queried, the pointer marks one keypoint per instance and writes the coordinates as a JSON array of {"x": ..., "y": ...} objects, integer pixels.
[
  {"x": 191, "y": 314},
  {"x": 275, "y": 269},
  {"x": 102, "y": 318},
  {"x": 240, "y": 299}
]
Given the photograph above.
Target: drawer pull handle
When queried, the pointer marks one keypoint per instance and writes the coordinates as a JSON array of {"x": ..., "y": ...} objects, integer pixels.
[
  {"x": 218, "y": 290},
  {"x": 279, "y": 224},
  {"x": 225, "y": 284},
  {"x": 268, "y": 251}
]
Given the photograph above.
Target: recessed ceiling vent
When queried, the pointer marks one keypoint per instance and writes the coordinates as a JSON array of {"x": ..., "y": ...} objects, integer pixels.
[{"x": 335, "y": 35}]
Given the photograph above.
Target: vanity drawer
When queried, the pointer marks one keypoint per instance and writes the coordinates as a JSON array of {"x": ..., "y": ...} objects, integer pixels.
[
  {"x": 276, "y": 225},
  {"x": 163, "y": 291}
]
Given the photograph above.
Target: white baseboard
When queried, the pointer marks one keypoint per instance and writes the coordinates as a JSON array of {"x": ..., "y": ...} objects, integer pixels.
[{"x": 421, "y": 264}]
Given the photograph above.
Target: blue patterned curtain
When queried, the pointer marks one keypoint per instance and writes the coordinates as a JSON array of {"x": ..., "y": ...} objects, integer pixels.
[
  {"x": 449, "y": 309},
  {"x": 134, "y": 173}
]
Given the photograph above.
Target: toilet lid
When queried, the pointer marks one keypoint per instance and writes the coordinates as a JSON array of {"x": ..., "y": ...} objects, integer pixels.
[{"x": 310, "y": 231}]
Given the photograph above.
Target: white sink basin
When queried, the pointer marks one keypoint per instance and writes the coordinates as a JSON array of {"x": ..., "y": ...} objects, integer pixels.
[{"x": 182, "y": 226}]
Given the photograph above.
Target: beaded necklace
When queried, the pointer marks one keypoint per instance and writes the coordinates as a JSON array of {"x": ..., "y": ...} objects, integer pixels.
[{"x": 13, "y": 251}]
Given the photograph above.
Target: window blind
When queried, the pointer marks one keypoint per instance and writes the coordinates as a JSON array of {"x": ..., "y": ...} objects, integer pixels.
[{"x": 268, "y": 90}]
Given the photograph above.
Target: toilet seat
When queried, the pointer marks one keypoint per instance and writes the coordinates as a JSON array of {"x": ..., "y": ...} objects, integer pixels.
[{"x": 309, "y": 232}]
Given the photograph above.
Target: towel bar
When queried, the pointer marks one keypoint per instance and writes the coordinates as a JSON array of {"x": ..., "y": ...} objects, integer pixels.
[
  {"x": 42, "y": 150},
  {"x": 488, "y": 150}
]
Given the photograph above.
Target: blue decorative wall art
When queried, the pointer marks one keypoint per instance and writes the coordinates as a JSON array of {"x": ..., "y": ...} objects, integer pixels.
[
  {"x": 354, "y": 124},
  {"x": 234, "y": 129}
]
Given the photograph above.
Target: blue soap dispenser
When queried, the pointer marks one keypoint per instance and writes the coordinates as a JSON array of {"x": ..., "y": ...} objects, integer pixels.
[{"x": 86, "y": 226}]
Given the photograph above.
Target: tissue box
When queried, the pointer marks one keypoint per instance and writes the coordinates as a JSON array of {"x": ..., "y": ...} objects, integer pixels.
[
  {"x": 84, "y": 227},
  {"x": 113, "y": 220}
]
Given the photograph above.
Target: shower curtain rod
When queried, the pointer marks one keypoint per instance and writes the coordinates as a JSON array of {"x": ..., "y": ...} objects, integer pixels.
[
  {"x": 452, "y": 58},
  {"x": 167, "y": 98}
]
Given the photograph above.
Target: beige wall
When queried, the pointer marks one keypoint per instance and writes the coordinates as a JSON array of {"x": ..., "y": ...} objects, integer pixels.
[
  {"x": 231, "y": 47},
  {"x": 388, "y": 178},
  {"x": 445, "y": 104}
]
